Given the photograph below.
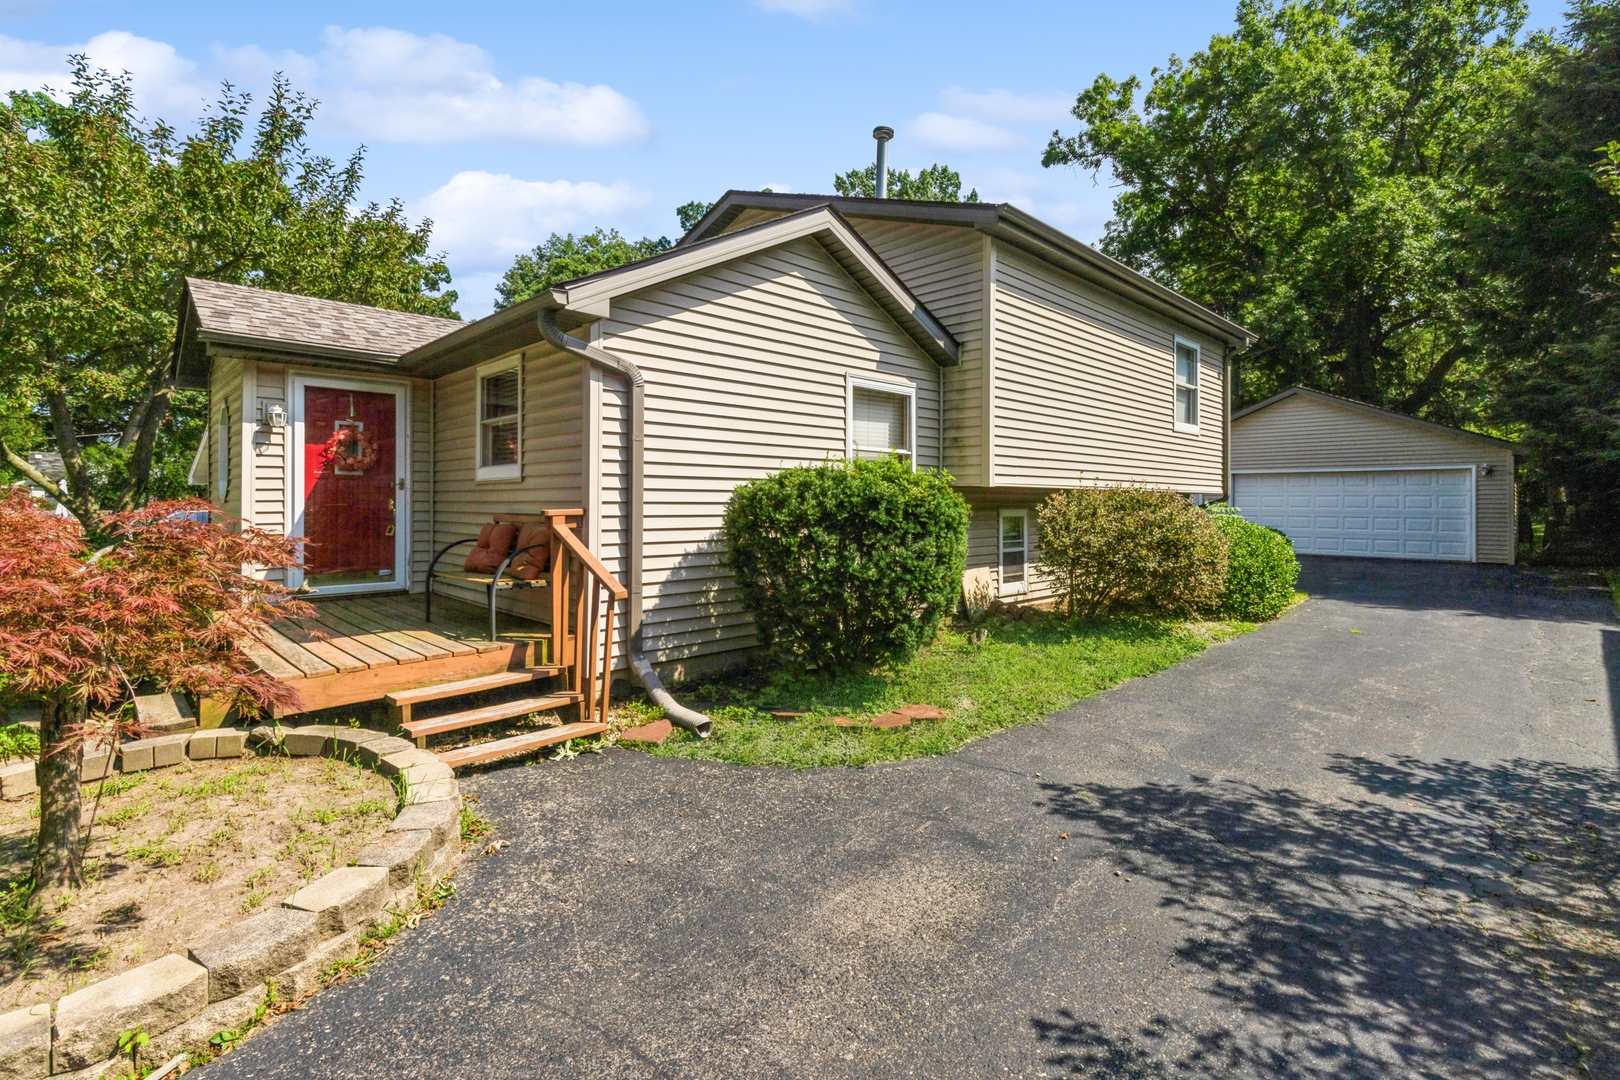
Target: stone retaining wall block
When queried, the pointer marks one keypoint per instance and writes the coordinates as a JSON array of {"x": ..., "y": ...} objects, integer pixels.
[
  {"x": 433, "y": 791},
  {"x": 25, "y": 1043},
  {"x": 313, "y": 740},
  {"x": 242, "y": 956},
  {"x": 401, "y": 853},
  {"x": 18, "y": 780},
  {"x": 156, "y": 996},
  {"x": 376, "y": 749},
  {"x": 231, "y": 1014},
  {"x": 442, "y": 819},
  {"x": 343, "y": 898},
  {"x": 305, "y": 978}
]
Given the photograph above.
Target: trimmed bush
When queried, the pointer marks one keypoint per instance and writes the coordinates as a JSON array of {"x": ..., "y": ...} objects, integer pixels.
[
  {"x": 1261, "y": 569},
  {"x": 847, "y": 565},
  {"x": 1111, "y": 550}
]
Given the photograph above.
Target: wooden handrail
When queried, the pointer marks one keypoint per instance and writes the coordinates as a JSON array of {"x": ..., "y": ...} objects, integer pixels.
[
  {"x": 576, "y": 643},
  {"x": 583, "y": 554}
]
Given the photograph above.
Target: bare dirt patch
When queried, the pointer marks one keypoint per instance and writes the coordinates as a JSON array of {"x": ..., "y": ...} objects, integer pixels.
[{"x": 176, "y": 854}]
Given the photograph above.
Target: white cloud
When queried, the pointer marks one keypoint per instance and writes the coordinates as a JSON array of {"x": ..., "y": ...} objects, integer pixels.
[
  {"x": 378, "y": 84},
  {"x": 482, "y": 220},
  {"x": 962, "y": 134},
  {"x": 389, "y": 84},
  {"x": 814, "y": 10},
  {"x": 1006, "y": 107},
  {"x": 165, "y": 83}
]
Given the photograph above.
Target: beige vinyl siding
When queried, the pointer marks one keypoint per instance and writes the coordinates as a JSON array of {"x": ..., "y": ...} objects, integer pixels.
[
  {"x": 552, "y": 440},
  {"x": 1085, "y": 388},
  {"x": 746, "y": 367},
  {"x": 271, "y": 460},
  {"x": 225, "y": 398},
  {"x": 1309, "y": 434},
  {"x": 944, "y": 267},
  {"x": 607, "y": 505},
  {"x": 421, "y": 482}
]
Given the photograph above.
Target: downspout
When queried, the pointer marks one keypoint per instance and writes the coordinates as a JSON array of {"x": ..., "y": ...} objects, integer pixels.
[{"x": 677, "y": 713}]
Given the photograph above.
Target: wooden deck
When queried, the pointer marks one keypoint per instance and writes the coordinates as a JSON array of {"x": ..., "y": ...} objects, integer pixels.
[{"x": 359, "y": 648}]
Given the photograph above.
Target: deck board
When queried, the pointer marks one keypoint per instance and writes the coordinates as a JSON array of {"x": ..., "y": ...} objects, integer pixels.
[
  {"x": 342, "y": 622},
  {"x": 359, "y": 648}
]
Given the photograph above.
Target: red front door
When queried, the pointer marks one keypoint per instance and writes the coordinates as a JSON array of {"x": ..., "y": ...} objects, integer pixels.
[{"x": 350, "y": 487}]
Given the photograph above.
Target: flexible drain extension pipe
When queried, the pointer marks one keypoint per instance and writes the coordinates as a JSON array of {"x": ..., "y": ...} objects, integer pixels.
[{"x": 678, "y": 714}]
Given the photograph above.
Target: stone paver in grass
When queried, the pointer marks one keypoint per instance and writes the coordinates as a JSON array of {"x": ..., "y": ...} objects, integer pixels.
[
  {"x": 891, "y": 720},
  {"x": 923, "y": 712},
  {"x": 654, "y": 733}
]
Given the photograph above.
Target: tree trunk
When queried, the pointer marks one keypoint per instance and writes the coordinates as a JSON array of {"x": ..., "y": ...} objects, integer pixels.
[{"x": 57, "y": 859}]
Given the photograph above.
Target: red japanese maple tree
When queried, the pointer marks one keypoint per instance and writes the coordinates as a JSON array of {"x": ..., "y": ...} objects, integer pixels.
[{"x": 164, "y": 605}]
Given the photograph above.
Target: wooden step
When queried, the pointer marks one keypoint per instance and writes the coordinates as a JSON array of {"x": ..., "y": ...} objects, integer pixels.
[
  {"x": 518, "y": 744},
  {"x": 471, "y": 686},
  {"x": 421, "y": 729}
]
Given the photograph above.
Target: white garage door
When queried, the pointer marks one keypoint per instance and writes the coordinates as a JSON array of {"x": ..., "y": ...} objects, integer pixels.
[{"x": 1404, "y": 514}]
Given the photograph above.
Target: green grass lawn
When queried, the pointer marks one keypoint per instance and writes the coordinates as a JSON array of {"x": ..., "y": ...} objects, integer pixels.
[{"x": 1021, "y": 672}]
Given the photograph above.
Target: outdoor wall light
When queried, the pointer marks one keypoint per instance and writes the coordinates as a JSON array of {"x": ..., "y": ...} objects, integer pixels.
[
  {"x": 273, "y": 415},
  {"x": 1486, "y": 468}
]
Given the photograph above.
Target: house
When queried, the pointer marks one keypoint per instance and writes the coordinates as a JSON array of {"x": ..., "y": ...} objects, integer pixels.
[
  {"x": 782, "y": 330},
  {"x": 1343, "y": 478}
]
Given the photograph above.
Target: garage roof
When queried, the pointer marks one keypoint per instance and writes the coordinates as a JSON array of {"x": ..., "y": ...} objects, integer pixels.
[{"x": 1370, "y": 410}]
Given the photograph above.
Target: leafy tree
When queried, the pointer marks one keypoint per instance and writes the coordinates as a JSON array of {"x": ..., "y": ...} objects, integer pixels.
[
  {"x": 1546, "y": 242},
  {"x": 564, "y": 258},
  {"x": 165, "y": 603},
  {"x": 937, "y": 183},
  {"x": 101, "y": 219},
  {"x": 691, "y": 213},
  {"x": 1311, "y": 175}
]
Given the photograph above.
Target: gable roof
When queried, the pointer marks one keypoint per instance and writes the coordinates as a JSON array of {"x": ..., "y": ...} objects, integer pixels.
[
  {"x": 589, "y": 297},
  {"x": 1368, "y": 410},
  {"x": 1001, "y": 220},
  {"x": 262, "y": 320}
]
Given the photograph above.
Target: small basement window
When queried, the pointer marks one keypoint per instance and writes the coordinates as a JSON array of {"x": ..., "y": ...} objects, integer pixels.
[
  {"x": 500, "y": 410},
  {"x": 1186, "y": 386},
  {"x": 881, "y": 418},
  {"x": 1014, "y": 551}
]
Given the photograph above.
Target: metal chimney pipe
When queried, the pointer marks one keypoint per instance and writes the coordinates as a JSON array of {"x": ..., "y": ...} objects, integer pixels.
[{"x": 883, "y": 135}]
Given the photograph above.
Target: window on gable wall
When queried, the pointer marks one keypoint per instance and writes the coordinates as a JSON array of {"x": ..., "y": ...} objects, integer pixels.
[
  {"x": 880, "y": 421},
  {"x": 500, "y": 404},
  {"x": 223, "y": 464},
  {"x": 1186, "y": 386}
]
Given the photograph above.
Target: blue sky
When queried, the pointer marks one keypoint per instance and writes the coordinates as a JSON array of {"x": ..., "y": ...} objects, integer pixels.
[{"x": 506, "y": 125}]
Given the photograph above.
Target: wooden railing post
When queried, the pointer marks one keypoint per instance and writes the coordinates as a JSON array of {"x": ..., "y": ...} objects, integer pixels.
[{"x": 577, "y": 624}]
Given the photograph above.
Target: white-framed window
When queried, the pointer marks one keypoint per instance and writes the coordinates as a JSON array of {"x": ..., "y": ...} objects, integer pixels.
[
  {"x": 1186, "y": 386},
  {"x": 1014, "y": 527},
  {"x": 500, "y": 420},
  {"x": 882, "y": 418}
]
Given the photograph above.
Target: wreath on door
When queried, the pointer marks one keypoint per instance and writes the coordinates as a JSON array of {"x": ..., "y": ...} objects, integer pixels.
[{"x": 350, "y": 450}]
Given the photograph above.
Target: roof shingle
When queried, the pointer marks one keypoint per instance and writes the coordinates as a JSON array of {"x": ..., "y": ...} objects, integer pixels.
[{"x": 285, "y": 322}]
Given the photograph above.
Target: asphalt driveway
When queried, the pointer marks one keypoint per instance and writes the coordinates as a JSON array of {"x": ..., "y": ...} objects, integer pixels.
[{"x": 1375, "y": 838}]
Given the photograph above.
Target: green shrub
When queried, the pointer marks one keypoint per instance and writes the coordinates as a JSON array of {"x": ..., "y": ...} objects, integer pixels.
[
  {"x": 1261, "y": 569},
  {"x": 1130, "y": 549},
  {"x": 847, "y": 565}
]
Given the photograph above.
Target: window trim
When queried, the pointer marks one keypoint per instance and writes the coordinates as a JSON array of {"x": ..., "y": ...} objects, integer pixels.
[
  {"x": 1196, "y": 386},
  {"x": 482, "y": 472},
  {"x": 1003, "y": 587},
  {"x": 906, "y": 390},
  {"x": 222, "y": 466}
]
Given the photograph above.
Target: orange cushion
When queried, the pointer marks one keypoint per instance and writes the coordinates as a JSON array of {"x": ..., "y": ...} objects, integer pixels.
[
  {"x": 494, "y": 545},
  {"x": 531, "y": 564}
]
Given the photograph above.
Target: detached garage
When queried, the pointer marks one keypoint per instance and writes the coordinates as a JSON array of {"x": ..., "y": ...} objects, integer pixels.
[{"x": 1343, "y": 478}]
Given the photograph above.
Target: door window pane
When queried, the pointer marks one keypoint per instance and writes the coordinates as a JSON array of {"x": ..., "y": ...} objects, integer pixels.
[{"x": 878, "y": 426}]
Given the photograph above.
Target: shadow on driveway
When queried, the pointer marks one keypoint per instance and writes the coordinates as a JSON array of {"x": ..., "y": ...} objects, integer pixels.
[
  {"x": 1470, "y": 931},
  {"x": 1476, "y": 588}
]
